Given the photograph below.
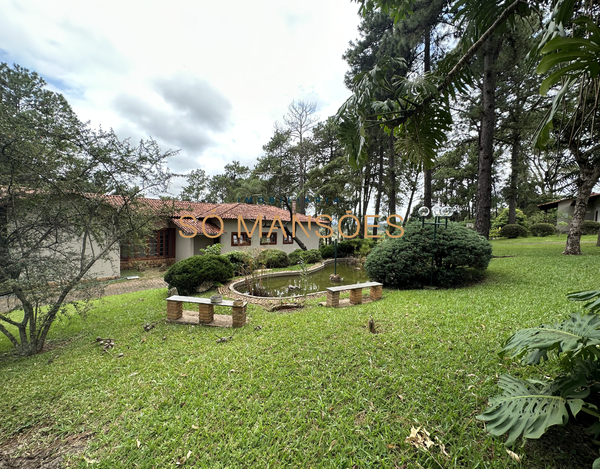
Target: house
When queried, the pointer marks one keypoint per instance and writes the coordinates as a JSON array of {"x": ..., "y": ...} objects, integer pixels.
[
  {"x": 566, "y": 208},
  {"x": 195, "y": 226}
]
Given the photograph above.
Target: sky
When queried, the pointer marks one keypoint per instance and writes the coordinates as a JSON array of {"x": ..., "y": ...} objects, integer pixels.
[{"x": 207, "y": 78}]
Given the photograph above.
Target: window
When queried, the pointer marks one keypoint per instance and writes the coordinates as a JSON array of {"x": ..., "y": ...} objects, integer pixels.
[
  {"x": 241, "y": 240},
  {"x": 288, "y": 239},
  {"x": 265, "y": 239},
  {"x": 161, "y": 245}
]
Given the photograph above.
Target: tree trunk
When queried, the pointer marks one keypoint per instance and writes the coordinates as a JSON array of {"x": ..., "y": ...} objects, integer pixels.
[
  {"x": 426, "y": 172},
  {"x": 392, "y": 176},
  {"x": 514, "y": 176},
  {"x": 427, "y": 188},
  {"x": 410, "y": 200},
  {"x": 598, "y": 241},
  {"x": 486, "y": 140},
  {"x": 379, "y": 185},
  {"x": 588, "y": 177}
]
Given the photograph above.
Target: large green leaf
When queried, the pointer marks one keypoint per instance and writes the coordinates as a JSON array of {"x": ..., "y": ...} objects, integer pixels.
[
  {"x": 594, "y": 295},
  {"x": 573, "y": 335},
  {"x": 527, "y": 409}
]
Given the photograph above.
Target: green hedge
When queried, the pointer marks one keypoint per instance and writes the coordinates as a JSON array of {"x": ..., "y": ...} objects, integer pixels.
[
  {"x": 188, "y": 274},
  {"x": 349, "y": 247},
  {"x": 542, "y": 229},
  {"x": 590, "y": 227},
  {"x": 240, "y": 260},
  {"x": 273, "y": 258},
  {"x": 461, "y": 256},
  {"x": 513, "y": 231},
  {"x": 311, "y": 256}
]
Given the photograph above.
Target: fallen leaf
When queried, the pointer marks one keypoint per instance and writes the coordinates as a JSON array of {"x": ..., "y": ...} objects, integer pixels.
[
  {"x": 188, "y": 455},
  {"x": 195, "y": 427},
  {"x": 514, "y": 456},
  {"x": 332, "y": 445},
  {"x": 138, "y": 443},
  {"x": 419, "y": 438},
  {"x": 442, "y": 447},
  {"x": 401, "y": 397},
  {"x": 391, "y": 446}
]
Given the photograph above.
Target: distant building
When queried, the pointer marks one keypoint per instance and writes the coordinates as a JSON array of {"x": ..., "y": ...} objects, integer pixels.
[{"x": 566, "y": 208}]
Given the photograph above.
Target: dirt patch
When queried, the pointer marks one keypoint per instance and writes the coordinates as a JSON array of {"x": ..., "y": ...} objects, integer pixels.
[{"x": 35, "y": 451}]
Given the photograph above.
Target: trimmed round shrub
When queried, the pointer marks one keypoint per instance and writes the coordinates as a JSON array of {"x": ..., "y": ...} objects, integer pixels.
[
  {"x": 327, "y": 251},
  {"x": 311, "y": 256},
  {"x": 590, "y": 227},
  {"x": 542, "y": 229},
  {"x": 460, "y": 257},
  {"x": 240, "y": 260},
  {"x": 513, "y": 231},
  {"x": 273, "y": 258},
  {"x": 188, "y": 274}
]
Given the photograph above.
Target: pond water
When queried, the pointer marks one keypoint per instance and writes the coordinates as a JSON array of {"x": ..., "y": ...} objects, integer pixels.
[{"x": 317, "y": 281}]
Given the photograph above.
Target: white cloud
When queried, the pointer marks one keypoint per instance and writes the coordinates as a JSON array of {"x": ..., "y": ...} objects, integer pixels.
[{"x": 210, "y": 78}]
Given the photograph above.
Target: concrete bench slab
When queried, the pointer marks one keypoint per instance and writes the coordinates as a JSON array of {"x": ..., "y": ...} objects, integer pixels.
[{"x": 333, "y": 293}]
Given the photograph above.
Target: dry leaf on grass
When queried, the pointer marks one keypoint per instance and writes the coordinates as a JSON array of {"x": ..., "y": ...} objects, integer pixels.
[
  {"x": 514, "y": 456},
  {"x": 420, "y": 439}
]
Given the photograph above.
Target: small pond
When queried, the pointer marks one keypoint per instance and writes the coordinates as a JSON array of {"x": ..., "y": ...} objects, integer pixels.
[{"x": 316, "y": 282}]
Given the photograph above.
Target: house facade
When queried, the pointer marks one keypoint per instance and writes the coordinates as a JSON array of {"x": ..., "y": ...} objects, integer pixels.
[
  {"x": 566, "y": 208},
  {"x": 194, "y": 226}
]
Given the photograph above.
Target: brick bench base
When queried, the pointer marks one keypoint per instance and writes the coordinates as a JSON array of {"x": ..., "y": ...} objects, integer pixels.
[{"x": 206, "y": 309}]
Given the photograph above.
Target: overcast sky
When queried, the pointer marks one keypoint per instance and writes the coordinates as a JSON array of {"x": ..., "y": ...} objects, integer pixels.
[{"x": 209, "y": 78}]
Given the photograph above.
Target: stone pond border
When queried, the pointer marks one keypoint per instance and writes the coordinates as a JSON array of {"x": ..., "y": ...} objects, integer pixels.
[{"x": 229, "y": 289}]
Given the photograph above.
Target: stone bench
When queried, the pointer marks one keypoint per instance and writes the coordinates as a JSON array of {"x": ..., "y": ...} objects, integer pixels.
[
  {"x": 206, "y": 309},
  {"x": 333, "y": 293}
]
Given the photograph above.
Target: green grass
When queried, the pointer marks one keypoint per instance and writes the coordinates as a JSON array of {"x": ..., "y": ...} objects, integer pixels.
[{"x": 313, "y": 388}]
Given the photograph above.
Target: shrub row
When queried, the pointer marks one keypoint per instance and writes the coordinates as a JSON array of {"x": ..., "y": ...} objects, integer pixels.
[{"x": 349, "y": 247}]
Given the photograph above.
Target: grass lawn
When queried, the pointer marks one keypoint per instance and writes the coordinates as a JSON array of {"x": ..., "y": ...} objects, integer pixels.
[{"x": 313, "y": 388}]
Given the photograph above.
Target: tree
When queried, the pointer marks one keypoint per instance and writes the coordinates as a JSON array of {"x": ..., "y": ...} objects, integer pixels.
[
  {"x": 223, "y": 188},
  {"x": 197, "y": 185},
  {"x": 58, "y": 219},
  {"x": 300, "y": 120}
]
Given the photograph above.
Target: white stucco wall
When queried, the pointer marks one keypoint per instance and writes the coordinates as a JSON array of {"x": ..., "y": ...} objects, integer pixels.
[
  {"x": 184, "y": 247},
  {"x": 108, "y": 267},
  {"x": 565, "y": 209}
]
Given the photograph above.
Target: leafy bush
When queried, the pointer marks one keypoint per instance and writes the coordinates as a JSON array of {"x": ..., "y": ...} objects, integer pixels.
[
  {"x": 494, "y": 233},
  {"x": 542, "y": 229},
  {"x": 502, "y": 219},
  {"x": 529, "y": 407},
  {"x": 590, "y": 227},
  {"x": 189, "y": 273},
  {"x": 310, "y": 257},
  {"x": 460, "y": 254},
  {"x": 214, "y": 249},
  {"x": 240, "y": 260},
  {"x": 348, "y": 247},
  {"x": 273, "y": 258},
  {"x": 513, "y": 231},
  {"x": 327, "y": 251}
]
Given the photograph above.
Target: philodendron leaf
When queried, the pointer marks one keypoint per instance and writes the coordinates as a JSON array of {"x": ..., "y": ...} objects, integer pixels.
[
  {"x": 572, "y": 335},
  {"x": 527, "y": 409}
]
